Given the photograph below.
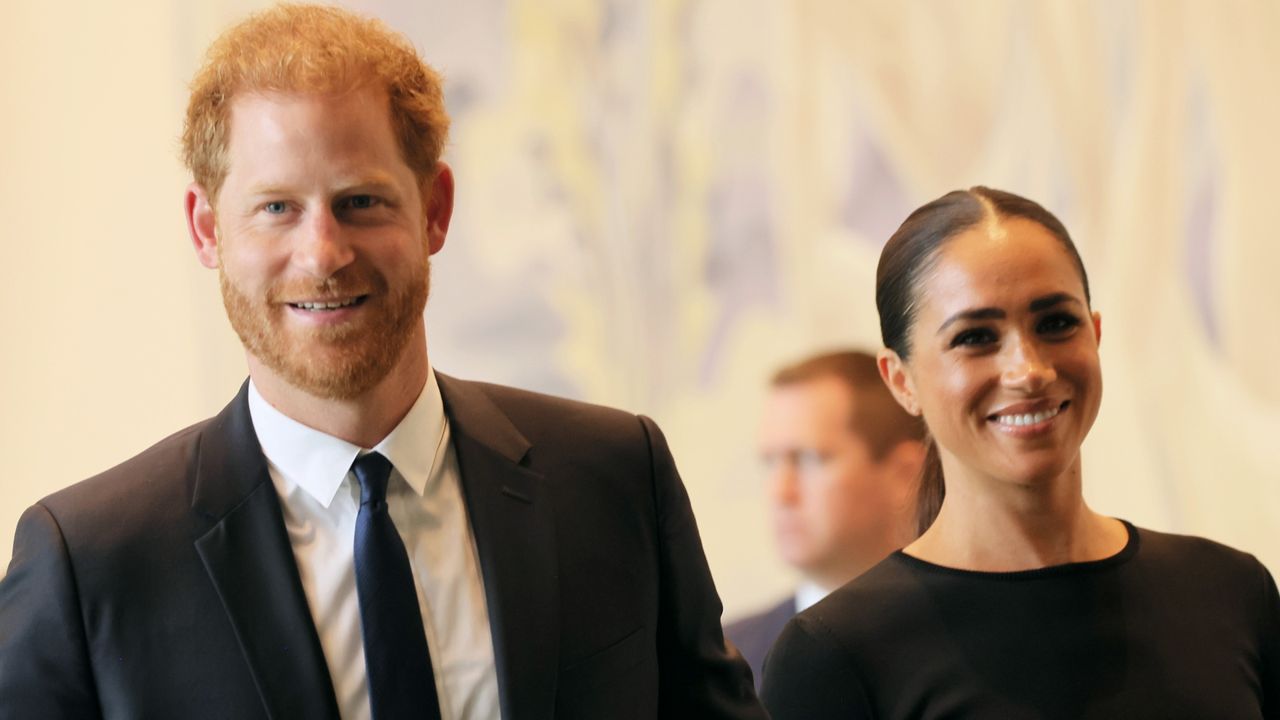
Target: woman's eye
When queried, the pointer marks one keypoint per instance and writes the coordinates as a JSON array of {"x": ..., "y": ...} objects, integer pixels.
[
  {"x": 974, "y": 337},
  {"x": 1057, "y": 324},
  {"x": 276, "y": 208}
]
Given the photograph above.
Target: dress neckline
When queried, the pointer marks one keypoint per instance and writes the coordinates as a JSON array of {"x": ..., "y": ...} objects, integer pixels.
[{"x": 1125, "y": 553}]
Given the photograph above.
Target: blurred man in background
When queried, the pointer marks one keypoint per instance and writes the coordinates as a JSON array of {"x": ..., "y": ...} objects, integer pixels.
[{"x": 843, "y": 462}]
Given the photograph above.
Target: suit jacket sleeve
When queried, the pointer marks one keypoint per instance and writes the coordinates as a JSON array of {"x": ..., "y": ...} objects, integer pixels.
[
  {"x": 806, "y": 675},
  {"x": 44, "y": 661},
  {"x": 1270, "y": 647},
  {"x": 698, "y": 676}
]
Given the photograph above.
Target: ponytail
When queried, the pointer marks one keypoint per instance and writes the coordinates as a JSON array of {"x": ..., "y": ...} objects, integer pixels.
[{"x": 932, "y": 487}]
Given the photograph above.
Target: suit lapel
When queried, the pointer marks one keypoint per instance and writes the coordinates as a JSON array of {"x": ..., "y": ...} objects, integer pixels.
[
  {"x": 513, "y": 522},
  {"x": 247, "y": 554}
]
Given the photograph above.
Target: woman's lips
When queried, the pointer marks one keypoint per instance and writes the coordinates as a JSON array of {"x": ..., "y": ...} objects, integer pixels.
[{"x": 1027, "y": 419}]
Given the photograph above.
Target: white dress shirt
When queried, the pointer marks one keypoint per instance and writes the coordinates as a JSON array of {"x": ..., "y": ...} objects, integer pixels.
[
  {"x": 320, "y": 498},
  {"x": 808, "y": 593}
]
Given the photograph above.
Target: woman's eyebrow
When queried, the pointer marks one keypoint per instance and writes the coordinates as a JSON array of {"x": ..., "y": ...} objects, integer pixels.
[
  {"x": 1048, "y": 301},
  {"x": 992, "y": 313},
  {"x": 988, "y": 313}
]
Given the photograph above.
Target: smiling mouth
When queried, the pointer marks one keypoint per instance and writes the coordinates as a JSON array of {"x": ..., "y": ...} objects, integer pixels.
[
  {"x": 328, "y": 305},
  {"x": 1035, "y": 418}
]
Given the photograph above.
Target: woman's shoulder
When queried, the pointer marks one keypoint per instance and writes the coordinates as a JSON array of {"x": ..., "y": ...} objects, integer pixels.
[
  {"x": 1197, "y": 572},
  {"x": 814, "y": 668},
  {"x": 1190, "y": 553},
  {"x": 880, "y": 601}
]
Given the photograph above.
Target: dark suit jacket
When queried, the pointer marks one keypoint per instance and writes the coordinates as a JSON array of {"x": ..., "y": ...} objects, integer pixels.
[
  {"x": 755, "y": 634},
  {"x": 167, "y": 588}
]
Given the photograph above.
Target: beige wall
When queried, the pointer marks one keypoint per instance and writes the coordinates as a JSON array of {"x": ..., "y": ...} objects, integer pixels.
[
  {"x": 658, "y": 205},
  {"x": 113, "y": 337}
]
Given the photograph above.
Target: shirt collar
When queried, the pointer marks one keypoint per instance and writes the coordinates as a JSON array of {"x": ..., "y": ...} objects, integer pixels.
[
  {"x": 318, "y": 463},
  {"x": 808, "y": 594}
]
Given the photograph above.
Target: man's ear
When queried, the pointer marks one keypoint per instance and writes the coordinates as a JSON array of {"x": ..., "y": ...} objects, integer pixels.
[
  {"x": 439, "y": 208},
  {"x": 897, "y": 376},
  {"x": 1097, "y": 327},
  {"x": 202, "y": 225}
]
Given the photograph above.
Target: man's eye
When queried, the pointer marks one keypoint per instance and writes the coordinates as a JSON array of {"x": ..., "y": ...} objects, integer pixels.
[
  {"x": 975, "y": 337},
  {"x": 276, "y": 208},
  {"x": 1057, "y": 324},
  {"x": 361, "y": 202},
  {"x": 810, "y": 459}
]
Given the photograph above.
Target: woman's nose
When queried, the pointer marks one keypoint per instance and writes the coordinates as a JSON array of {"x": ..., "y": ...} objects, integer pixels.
[{"x": 1027, "y": 368}]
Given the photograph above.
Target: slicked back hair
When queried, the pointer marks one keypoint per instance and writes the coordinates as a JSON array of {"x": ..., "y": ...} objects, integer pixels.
[{"x": 908, "y": 256}]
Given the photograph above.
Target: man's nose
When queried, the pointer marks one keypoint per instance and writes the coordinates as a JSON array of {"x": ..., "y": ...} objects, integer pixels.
[
  {"x": 1026, "y": 367},
  {"x": 783, "y": 483},
  {"x": 322, "y": 247}
]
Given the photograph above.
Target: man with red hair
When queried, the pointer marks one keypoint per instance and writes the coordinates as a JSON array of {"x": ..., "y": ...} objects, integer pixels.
[{"x": 357, "y": 535}]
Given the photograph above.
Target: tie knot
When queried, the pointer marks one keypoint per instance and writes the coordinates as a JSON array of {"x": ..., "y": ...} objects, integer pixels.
[{"x": 372, "y": 470}]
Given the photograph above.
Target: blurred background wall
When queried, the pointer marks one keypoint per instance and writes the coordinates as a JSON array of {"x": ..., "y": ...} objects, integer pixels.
[{"x": 658, "y": 202}]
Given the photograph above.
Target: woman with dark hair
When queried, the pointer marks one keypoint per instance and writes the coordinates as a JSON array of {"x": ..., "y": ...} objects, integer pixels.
[{"x": 1018, "y": 600}]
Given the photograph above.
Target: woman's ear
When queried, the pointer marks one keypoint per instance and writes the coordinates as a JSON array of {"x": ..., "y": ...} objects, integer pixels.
[
  {"x": 1097, "y": 327},
  {"x": 897, "y": 376}
]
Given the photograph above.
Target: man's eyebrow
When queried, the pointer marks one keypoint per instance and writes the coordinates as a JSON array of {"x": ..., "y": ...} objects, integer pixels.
[
  {"x": 1048, "y": 301},
  {"x": 988, "y": 313},
  {"x": 360, "y": 182},
  {"x": 260, "y": 190},
  {"x": 379, "y": 182}
]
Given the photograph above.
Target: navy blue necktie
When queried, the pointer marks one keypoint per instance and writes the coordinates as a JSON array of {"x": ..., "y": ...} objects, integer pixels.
[{"x": 396, "y": 659}]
